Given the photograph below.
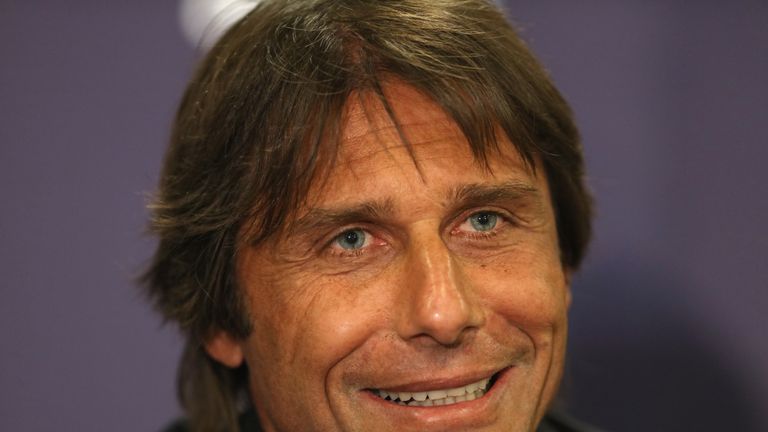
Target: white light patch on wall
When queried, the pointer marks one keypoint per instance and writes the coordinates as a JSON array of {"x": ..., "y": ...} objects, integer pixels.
[{"x": 204, "y": 21}]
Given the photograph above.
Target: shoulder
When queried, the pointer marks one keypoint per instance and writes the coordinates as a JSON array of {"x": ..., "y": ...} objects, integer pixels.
[
  {"x": 553, "y": 422},
  {"x": 557, "y": 421},
  {"x": 248, "y": 422},
  {"x": 177, "y": 426}
]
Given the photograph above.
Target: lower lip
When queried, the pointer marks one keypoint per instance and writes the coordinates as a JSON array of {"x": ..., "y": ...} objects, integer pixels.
[{"x": 463, "y": 414}]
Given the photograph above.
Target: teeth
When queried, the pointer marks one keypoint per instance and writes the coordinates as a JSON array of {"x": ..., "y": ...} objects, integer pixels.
[
  {"x": 472, "y": 387},
  {"x": 458, "y": 391},
  {"x": 437, "y": 397},
  {"x": 437, "y": 394}
]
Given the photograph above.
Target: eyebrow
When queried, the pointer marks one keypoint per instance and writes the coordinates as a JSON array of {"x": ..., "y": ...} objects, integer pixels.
[
  {"x": 318, "y": 218},
  {"x": 481, "y": 194}
]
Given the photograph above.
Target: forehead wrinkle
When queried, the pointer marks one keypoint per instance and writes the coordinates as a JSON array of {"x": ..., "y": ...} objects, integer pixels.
[
  {"x": 388, "y": 149},
  {"x": 357, "y": 130},
  {"x": 367, "y": 120},
  {"x": 359, "y": 156},
  {"x": 359, "y": 147}
]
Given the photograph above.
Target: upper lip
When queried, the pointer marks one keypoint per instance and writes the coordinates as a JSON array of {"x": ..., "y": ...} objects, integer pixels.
[{"x": 436, "y": 383}]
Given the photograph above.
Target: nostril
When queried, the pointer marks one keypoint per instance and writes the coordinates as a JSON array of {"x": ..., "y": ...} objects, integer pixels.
[{"x": 455, "y": 340}]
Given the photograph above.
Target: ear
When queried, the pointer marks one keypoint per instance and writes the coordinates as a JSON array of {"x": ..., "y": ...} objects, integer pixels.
[{"x": 225, "y": 349}]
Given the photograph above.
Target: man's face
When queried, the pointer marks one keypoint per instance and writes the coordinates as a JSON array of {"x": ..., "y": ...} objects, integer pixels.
[{"x": 400, "y": 287}]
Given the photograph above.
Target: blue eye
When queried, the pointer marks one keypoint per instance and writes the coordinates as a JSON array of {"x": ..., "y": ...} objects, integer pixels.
[
  {"x": 351, "y": 239},
  {"x": 483, "y": 221}
]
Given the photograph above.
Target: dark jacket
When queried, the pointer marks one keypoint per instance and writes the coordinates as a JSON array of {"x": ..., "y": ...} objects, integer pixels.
[{"x": 552, "y": 422}]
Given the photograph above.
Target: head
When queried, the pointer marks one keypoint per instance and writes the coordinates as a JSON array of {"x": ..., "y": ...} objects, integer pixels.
[{"x": 367, "y": 202}]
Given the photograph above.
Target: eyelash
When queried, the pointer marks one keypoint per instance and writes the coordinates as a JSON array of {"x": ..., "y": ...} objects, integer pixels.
[{"x": 481, "y": 235}]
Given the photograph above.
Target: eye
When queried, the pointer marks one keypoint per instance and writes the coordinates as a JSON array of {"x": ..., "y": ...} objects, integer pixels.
[
  {"x": 351, "y": 239},
  {"x": 483, "y": 221}
]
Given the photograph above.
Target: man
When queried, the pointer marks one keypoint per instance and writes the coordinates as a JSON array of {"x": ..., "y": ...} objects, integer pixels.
[{"x": 369, "y": 215}]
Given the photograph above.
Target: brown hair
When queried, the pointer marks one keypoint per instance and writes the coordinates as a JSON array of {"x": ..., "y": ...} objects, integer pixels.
[{"x": 253, "y": 130}]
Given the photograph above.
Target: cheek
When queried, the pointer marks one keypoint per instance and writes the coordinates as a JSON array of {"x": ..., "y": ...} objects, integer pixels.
[
  {"x": 311, "y": 323},
  {"x": 302, "y": 332},
  {"x": 528, "y": 292}
]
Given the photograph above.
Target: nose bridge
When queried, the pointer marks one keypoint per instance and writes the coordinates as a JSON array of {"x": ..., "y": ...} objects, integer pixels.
[{"x": 440, "y": 302}]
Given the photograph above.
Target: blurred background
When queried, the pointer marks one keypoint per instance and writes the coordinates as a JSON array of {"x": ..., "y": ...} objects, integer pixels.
[{"x": 670, "y": 316}]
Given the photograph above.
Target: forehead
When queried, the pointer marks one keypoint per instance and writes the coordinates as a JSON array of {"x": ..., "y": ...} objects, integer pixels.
[
  {"x": 366, "y": 119},
  {"x": 413, "y": 137}
]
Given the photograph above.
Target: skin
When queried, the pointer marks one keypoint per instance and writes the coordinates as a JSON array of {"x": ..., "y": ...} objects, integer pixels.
[{"x": 423, "y": 299}]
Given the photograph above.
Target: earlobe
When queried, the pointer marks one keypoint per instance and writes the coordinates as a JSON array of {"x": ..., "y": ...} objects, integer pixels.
[{"x": 225, "y": 349}]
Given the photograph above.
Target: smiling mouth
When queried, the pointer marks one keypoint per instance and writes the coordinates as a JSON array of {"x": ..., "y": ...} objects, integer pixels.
[{"x": 439, "y": 397}]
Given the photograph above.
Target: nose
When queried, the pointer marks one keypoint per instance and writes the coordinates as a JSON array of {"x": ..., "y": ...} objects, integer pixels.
[{"x": 437, "y": 302}]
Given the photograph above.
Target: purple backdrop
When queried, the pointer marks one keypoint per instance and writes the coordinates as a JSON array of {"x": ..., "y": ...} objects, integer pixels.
[{"x": 669, "y": 321}]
